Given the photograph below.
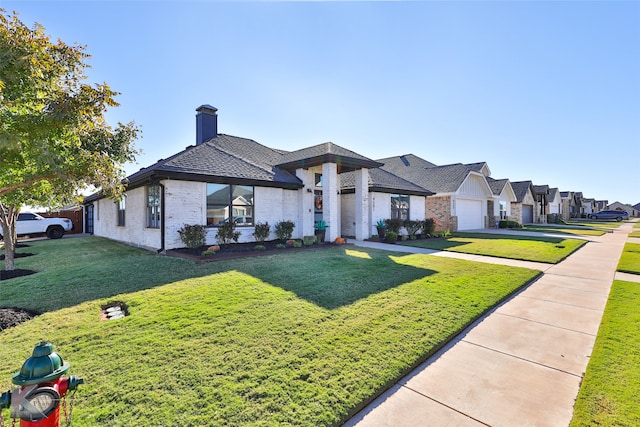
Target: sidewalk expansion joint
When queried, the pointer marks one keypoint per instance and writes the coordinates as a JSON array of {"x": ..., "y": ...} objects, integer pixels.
[
  {"x": 563, "y": 303},
  {"x": 447, "y": 406},
  {"x": 524, "y": 359},
  {"x": 547, "y": 324}
]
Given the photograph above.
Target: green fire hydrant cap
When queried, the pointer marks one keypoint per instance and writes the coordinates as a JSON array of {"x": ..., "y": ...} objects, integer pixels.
[{"x": 43, "y": 365}]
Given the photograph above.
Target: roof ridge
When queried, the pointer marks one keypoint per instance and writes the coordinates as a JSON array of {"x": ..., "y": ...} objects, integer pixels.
[{"x": 235, "y": 155}]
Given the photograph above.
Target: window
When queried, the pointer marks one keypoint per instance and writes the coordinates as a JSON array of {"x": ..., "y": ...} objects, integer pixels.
[
  {"x": 229, "y": 202},
  {"x": 399, "y": 206},
  {"x": 121, "y": 205},
  {"x": 503, "y": 210},
  {"x": 153, "y": 206}
]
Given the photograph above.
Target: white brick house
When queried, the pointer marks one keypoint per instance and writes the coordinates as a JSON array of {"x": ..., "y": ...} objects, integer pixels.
[{"x": 227, "y": 178}]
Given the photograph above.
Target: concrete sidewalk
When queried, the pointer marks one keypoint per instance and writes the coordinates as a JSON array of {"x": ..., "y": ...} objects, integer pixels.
[{"x": 521, "y": 365}]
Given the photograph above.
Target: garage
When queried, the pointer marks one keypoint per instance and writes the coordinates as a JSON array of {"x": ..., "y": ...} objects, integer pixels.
[
  {"x": 469, "y": 214},
  {"x": 527, "y": 214}
]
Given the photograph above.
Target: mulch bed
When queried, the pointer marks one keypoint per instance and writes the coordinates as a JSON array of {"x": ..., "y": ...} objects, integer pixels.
[
  {"x": 242, "y": 250},
  {"x": 11, "y": 316}
]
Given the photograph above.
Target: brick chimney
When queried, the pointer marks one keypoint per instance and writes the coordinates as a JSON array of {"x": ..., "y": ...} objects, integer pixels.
[{"x": 206, "y": 123}]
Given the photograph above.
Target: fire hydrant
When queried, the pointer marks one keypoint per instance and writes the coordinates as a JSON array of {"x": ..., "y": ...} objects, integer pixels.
[{"x": 42, "y": 386}]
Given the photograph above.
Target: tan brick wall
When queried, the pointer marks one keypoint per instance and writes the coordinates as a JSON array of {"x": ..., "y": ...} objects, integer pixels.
[{"x": 439, "y": 208}]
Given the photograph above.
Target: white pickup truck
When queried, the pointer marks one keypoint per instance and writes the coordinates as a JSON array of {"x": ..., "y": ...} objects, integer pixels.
[{"x": 32, "y": 223}]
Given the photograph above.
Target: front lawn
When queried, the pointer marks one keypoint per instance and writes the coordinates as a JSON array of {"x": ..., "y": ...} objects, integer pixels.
[
  {"x": 527, "y": 248},
  {"x": 609, "y": 391},
  {"x": 630, "y": 259},
  {"x": 290, "y": 339}
]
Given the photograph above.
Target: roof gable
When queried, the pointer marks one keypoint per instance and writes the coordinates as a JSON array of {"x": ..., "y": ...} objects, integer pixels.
[
  {"x": 521, "y": 188},
  {"x": 327, "y": 152}
]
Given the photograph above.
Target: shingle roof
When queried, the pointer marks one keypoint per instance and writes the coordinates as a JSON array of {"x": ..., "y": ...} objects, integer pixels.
[
  {"x": 520, "y": 189},
  {"x": 553, "y": 192},
  {"x": 541, "y": 189},
  {"x": 225, "y": 156},
  {"x": 497, "y": 185},
  {"x": 437, "y": 179},
  {"x": 347, "y": 160},
  {"x": 384, "y": 182}
]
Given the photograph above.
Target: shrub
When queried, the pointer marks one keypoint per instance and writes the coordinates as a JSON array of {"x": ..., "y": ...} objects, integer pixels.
[
  {"x": 260, "y": 248},
  {"x": 509, "y": 224},
  {"x": 227, "y": 232},
  {"x": 309, "y": 240},
  {"x": 429, "y": 226},
  {"x": 391, "y": 237},
  {"x": 208, "y": 252},
  {"x": 284, "y": 230},
  {"x": 280, "y": 246},
  {"x": 393, "y": 225},
  {"x": 193, "y": 236},
  {"x": 297, "y": 244},
  {"x": 412, "y": 227},
  {"x": 261, "y": 233}
]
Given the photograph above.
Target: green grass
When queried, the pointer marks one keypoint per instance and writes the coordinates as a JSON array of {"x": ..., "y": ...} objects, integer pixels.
[
  {"x": 609, "y": 391},
  {"x": 634, "y": 234},
  {"x": 528, "y": 248},
  {"x": 582, "y": 231},
  {"x": 596, "y": 224},
  {"x": 290, "y": 339},
  {"x": 630, "y": 259}
]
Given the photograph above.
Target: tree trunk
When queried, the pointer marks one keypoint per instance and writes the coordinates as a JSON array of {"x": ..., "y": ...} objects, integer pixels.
[{"x": 8, "y": 217}]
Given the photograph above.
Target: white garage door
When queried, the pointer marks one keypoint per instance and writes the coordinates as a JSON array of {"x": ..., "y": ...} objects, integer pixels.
[{"x": 469, "y": 214}]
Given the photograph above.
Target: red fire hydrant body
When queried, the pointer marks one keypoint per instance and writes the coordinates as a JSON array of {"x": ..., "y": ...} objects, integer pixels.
[{"x": 42, "y": 386}]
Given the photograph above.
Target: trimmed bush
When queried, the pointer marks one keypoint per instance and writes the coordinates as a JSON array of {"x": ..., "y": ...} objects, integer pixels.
[
  {"x": 227, "y": 233},
  {"x": 429, "y": 226},
  {"x": 393, "y": 225},
  {"x": 262, "y": 231},
  {"x": 412, "y": 227},
  {"x": 193, "y": 236},
  {"x": 509, "y": 224},
  {"x": 391, "y": 237},
  {"x": 284, "y": 230}
]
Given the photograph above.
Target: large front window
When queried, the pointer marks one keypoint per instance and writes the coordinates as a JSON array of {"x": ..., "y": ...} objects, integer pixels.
[
  {"x": 153, "y": 206},
  {"x": 399, "y": 206},
  {"x": 229, "y": 203}
]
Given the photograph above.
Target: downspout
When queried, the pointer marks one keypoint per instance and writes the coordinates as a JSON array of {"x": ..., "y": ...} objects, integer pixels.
[{"x": 163, "y": 215}]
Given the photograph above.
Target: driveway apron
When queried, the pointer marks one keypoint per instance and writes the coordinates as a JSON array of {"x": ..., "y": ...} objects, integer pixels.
[{"x": 521, "y": 364}]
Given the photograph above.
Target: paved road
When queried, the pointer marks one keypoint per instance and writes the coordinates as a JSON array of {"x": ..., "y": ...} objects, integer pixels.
[{"x": 521, "y": 365}]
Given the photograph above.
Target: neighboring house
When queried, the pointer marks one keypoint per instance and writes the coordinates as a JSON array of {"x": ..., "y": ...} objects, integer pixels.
[
  {"x": 617, "y": 206},
  {"x": 600, "y": 205},
  {"x": 636, "y": 208},
  {"x": 461, "y": 193},
  {"x": 588, "y": 206},
  {"x": 541, "y": 196},
  {"x": 571, "y": 204},
  {"x": 504, "y": 196},
  {"x": 554, "y": 203},
  {"x": 227, "y": 178},
  {"x": 523, "y": 209}
]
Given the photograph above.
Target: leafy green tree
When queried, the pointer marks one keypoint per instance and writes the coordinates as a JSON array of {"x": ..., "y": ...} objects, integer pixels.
[{"x": 54, "y": 140}]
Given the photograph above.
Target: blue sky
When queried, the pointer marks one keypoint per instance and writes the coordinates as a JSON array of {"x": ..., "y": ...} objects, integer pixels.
[{"x": 547, "y": 91}]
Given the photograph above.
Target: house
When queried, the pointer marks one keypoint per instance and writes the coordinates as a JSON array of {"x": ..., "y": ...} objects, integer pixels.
[
  {"x": 636, "y": 209},
  {"x": 600, "y": 205},
  {"x": 554, "y": 205},
  {"x": 228, "y": 178},
  {"x": 541, "y": 195},
  {"x": 523, "y": 209},
  {"x": 503, "y": 197},
  {"x": 571, "y": 204},
  {"x": 617, "y": 206},
  {"x": 461, "y": 191},
  {"x": 588, "y": 206}
]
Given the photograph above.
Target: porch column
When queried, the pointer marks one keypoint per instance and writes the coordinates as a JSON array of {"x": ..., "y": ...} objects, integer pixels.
[
  {"x": 330, "y": 213},
  {"x": 304, "y": 221},
  {"x": 363, "y": 228}
]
